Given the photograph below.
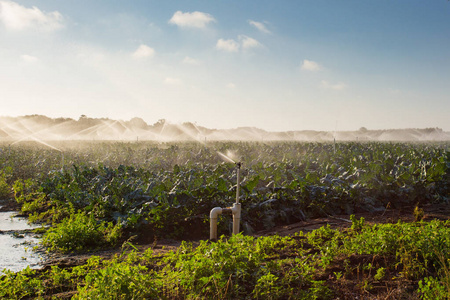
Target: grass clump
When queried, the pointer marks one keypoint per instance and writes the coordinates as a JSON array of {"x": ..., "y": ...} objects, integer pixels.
[{"x": 81, "y": 232}]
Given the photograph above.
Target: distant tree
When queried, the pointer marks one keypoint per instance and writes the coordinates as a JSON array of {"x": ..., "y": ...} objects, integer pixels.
[
  {"x": 160, "y": 123},
  {"x": 62, "y": 120},
  {"x": 363, "y": 129},
  {"x": 138, "y": 123},
  {"x": 39, "y": 119}
]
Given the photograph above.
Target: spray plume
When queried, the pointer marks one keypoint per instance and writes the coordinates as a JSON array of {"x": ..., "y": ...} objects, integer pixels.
[{"x": 226, "y": 157}]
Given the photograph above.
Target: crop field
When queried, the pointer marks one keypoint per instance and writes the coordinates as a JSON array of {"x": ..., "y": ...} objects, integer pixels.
[{"x": 128, "y": 197}]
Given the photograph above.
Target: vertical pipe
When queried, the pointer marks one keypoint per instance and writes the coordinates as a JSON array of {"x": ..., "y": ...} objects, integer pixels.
[
  {"x": 238, "y": 185},
  {"x": 213, "y": 215},
  {"x": 213, "y": 229},
  {"x": 237, "y": 206},
  {"x": 236, "y": 217}
]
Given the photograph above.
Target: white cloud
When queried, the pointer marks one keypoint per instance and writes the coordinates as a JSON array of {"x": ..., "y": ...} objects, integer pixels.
[
  {"x": 245, "y": 43},
  {"x": 337, "y": 87},
  {"x": 260, "y": 26},
  {"x": 17, "y": 17},
  {"x": 28, "y": 58},
  {"x": 194, "y": 19},
  {"x": 248, "y": 42},
  {"x": 144, "y": 51},
  {"x": 190, "y": 61},
  {"x": 231, "y": 86},
  {"x": 227, "y": 45},
  {"x": 309, "y": 65},
  {"x": 172, "y": 81}
]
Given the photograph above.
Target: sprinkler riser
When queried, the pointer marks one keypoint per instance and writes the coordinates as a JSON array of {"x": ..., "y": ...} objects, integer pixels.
[{"x": 235, "y": 210}]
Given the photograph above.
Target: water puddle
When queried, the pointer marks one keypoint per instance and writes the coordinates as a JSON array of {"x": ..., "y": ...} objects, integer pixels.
[{"x": 17, "y": 243}]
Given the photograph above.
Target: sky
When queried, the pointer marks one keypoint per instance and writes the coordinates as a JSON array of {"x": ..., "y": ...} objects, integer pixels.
[{"x": 277, "y": 65}]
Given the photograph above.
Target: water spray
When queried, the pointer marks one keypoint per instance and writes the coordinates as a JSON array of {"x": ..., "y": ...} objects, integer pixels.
[
  {"x": 227, "y": 158},
  {"x": 334, "y": 138},
  {"x": 334, "y": 145},
  {"x": 43, "y": 143},
  {"x": 62, "y": 161},
  {"x": 235, "y": 210}
]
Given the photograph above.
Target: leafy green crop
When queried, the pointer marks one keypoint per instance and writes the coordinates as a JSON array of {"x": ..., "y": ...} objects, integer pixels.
[
  {"x": 272, "y": 267},
  {"x": 167, "y": 190},
  {"x": 80, "y": 232}
]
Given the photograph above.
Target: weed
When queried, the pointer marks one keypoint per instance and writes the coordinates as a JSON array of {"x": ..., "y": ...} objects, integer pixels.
[
  {"x": 381, "y": 273},
  {"x": 418, "y": 214},
  {"x": 357, "y": 225},
  {"x": 432, "y": 288}
]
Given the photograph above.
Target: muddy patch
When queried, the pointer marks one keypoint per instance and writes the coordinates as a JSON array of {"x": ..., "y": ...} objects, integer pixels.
[{"x": 17, "y": 242}]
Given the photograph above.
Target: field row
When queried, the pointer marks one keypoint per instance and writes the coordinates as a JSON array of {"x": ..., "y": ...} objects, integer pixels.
[{"x": 150, "y": 189}]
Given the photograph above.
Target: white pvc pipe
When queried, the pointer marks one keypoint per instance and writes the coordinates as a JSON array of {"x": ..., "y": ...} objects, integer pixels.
[
  {"x": 235, "y": 210},
  {"x": 238, "y": 185},
  {"x": 215, "y": 212}
]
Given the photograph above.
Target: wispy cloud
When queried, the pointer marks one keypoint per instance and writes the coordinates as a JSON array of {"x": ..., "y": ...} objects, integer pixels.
[
  {"x": 248, "y": 42},
  {"x": 245, "y": 43},
  {"x": 309, "y": 65},
  {"x": 231, "y": 86},
  {"x": 144, "y": 51},
  {"x": 337, "y": 86},
  {"x": 227, "y": 45},
  {"x": 260, "y": 26},
  {"x": 17, "y": 17},
  {"x": 194, "y": 19}
]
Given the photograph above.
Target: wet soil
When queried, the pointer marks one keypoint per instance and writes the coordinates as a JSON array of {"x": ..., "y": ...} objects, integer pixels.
[{"x": 17, "y": 239}]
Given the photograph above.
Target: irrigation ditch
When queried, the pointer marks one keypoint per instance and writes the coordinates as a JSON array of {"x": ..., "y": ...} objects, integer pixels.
[{"x": 19, "y": 242}]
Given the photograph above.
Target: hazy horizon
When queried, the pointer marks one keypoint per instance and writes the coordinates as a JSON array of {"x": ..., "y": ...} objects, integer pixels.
[
  {"x": 40, "y": 128},
  {"x": 31, "y": 116},
  {"x": 275, "y": 65}
]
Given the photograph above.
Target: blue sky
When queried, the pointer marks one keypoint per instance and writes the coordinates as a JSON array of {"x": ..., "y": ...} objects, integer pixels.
[{"x": 276, "y": 65}]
